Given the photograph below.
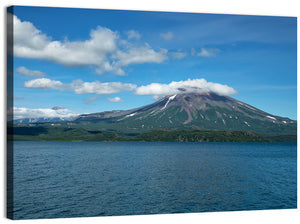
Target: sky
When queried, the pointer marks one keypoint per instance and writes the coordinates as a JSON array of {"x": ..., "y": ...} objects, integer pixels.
[{"x": 74, "y": 61}]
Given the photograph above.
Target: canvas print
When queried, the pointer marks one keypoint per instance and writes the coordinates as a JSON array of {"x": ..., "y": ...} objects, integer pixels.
[{"x": 114, "y": 112}]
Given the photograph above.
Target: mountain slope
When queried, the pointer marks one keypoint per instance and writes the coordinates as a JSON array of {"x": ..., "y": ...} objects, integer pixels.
[{"x": 201, "y": 111}]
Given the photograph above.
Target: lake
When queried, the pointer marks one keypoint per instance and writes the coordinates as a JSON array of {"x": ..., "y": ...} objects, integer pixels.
[{"x": 80, "y": 179}]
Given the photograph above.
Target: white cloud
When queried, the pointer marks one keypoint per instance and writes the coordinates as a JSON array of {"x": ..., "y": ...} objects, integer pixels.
[
  {"x": 104, "y": 50},
  {"x": 107, "y": 67},
  {"x": 115, "y": 99},
  {"x": 155, "y": 89},
  {"x": 29, "y": 42},
  {"x": 24, "y": 71},
  {"x": 80, "y": 87},
  {"x": 167, "y": 36},
  {"x": 140, "y": 55},
  {"x": 27, "y": 37},
  {"x": 44, "y": 83},
  {"x": 208, "y": 52},
  {"x": 188, "y": 86},
  {"x": 178, "y": 55},
  {"x": 97, "y": 87},
  {"x": 133, "y": 34},
  {"x": 89, "y": 100},
  {"x": 21, "y": 113},
  {"x": 157, "y": 97}
]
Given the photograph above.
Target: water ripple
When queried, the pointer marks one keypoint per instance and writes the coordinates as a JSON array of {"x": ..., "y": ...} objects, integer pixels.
[{"x": 78, "y": 179}]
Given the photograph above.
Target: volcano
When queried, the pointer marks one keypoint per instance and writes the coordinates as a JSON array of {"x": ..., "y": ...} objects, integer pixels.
[{"x": 199, "y": 111}]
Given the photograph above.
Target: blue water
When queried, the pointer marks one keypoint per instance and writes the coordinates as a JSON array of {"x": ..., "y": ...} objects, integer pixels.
[{"x": 80, "y": 179}]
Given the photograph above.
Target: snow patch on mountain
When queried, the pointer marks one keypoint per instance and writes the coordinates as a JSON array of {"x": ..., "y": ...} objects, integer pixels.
[
  {"x": 130, "y": 115},
  {"x": 170, "y": 98},
  {"x": 243, "y": 104},
  {"x": 247, "y": 123}
]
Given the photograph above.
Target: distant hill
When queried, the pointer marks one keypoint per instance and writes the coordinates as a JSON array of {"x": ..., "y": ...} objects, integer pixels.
[
  {"x": 43, "y": 119},
  {"x": 59, "y": 115}
]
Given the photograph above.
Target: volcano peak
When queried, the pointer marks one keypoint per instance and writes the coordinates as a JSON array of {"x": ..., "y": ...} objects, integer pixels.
[{"x": 201, "y": 111}]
